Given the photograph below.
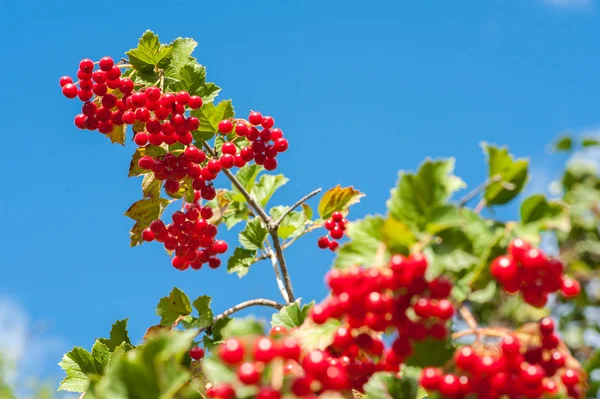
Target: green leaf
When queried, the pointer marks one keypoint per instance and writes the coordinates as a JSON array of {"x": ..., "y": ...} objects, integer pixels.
[
  {"x": 316, "y": 336},
  {"x": 266, "y": 187},
  {"x": 153, "y": 370},
  {"x": 338, "y": 199},
  {"x": 484, "y": 295},
  {"x": 512, "y": 172},
  {"x": 205, "y": 314},
  {"x": 240, "y": 261},
  {"x": 307, "y": 211},
  {"x": 171, "y": 307},
  {"x": 80, "y": 365},
  {"x": 118, "y": 336},
  {"x": 253, "y": 236},
  {"x": 181, "y": 55},
  {"x": 210, "y": 115},
  {"x": 397, "y": 236},
  {"x": 545, "y": 214},
  {"x": 481, "y": 273},
  {"x": 151, "y": 186},
  {"x": 242, "y": 327},
  {"x": 144, "y": 212},
  {"x": 292, "y": 225},
  {"x": 365, "y": 238},
  {"x": 385, "y": 385},
  {"x": 593, "y": 363},
  {"x": 431, "y": 353},
  {"x": 446, "y": 217},
  {"x": 416, "y": 196},
  {"x": 564, "y": 143},
  {"x": 149, "y": 53},
  {"x": 590, "y": 142},
  {"x": 291, "y": 316},
  {"x": 217, "y": 372},
  {"x": 247, "y": 177}
]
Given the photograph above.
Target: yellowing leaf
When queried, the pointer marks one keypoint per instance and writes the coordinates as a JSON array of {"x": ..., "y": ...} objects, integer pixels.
[{"x": 338, "y": 199}]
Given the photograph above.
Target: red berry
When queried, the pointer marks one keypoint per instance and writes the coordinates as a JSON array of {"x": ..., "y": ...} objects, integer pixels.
[
  {"x": 264, "y": 350},
  {"x": 248, "y": 374},
  {"x": 281, "y": 145},
  {"x": 533, "y": 259},
  {"x": 214, "y": 263},
  {"x": 65, "y": 80},
  {"x": 172, "y": 186},
  {"x": 315, "y": 362},
  {"x": 86, "y": 65},
  {"x": 148, "y": 235},
  {"x": 197, "y": 353},
  {"x": 270, "y": 164},
  {"x": 195, "y": 102},
  {"x": 80, "y": 121},
  {"x": 231, "y": 351},
  {"x": 517, "y": 249},
  {"x": 268, "y": 393},
  {"x": 504, "y": 269},
  {"x": 337, "y": 233},
  {"x": 277, "y": 331},
  {"x": 229, "y": 148},
  {"x": 430, "y": 378},
  {"x": 255, "y": 118},
  {"x": 146, "y": 162},
  {"x": 227, "y": 161},
  {"x": 570, "y": 287},
  {"x": 323, "y": 242},
  {"x": 219, "y": 246},
  {"x": 225, "y": 126},
  {"x": 547, "y": 326},
  {"x": 126, "y": 85},
  {"x": 334, "y": 245},
  {"x": 106, "y": 63},
  {"x": 69, "y": 90}
]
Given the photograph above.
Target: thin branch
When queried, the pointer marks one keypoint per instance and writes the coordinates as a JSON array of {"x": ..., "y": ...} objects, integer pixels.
[
  {"x": 244, "y": 305},
  {"x": 290, "y": 242},
  {"x": 487, "y": 332},
  {"x": 468, "y": 317},
  {"x": 259, "y": 210},
  {"x": 284, "y": 271},
  {"x": 271, "y": 255},
  {"x": 478, "y": 190},
  {"x": 296, "y": 205}
]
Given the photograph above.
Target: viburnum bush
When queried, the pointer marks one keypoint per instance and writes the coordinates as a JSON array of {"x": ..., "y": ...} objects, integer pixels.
[{"x": 431, "y": 299}]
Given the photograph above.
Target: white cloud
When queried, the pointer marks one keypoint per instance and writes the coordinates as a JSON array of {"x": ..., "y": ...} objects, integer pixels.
[
  {"x": 29, "y": 352},
  {"x": 570, "y": 3}
]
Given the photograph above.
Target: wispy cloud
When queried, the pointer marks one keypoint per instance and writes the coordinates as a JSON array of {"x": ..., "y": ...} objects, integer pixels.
[
  {"x": 29, "y": 352},
  {"x": 570, "y": 3}
]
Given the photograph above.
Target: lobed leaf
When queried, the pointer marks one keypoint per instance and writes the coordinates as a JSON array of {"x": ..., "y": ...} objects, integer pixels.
[
  {"x": 291, "y": 316},
  {"x": 513, "y": 172},
  {"x": 240, "y": 261},
  {"x": 171, "y": 307},
  {"x": 338, "y": 199},
  {"x": 253, "y": 235}
]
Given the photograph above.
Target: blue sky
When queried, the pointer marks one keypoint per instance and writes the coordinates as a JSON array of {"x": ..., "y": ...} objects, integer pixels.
[{"x": 362, "y": 89}]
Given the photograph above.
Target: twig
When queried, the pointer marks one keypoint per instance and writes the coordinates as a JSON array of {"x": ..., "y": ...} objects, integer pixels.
[
  {"x": 296, "y": 205},
  {"x": 259, "y": 210},
  {"x": 479, "y": 332},
  {"x": 271, "y": 255},
  {"x": 468, "y": 317},
  {"x": 287, "y": 281},
  {"x": 478, "y": 190},
  {"x": 244, "y": 305}
]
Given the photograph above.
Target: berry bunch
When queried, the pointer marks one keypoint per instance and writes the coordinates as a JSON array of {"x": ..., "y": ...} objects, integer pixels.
[
  {"x": 257, "y": 359},
  {"x": 191, "y": 236},
  {"x": 190, "y": 163},
  {"x": 540, "y": 366},
  {"x": 110, "y": 100},
  {"x": 336, "y": 225},
  {"x": 393, "y": 299},
  {"x": 527, "y": 269},
  {"x": 263, "y": 145}
]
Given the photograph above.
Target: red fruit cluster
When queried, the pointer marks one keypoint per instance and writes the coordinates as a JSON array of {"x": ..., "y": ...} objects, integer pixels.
[
  {"x": 266, "y": 143},
  {"x": 256, "y": 359},
  {"x": 528, "y": 270},
  {"x": 110, "y": 100},
  {"x": 516, "y": 369},
  {"x": 191, "y": 163},
  {"x": 393, "y": 299},
  {"x": 336, "y": 225},
  {"x": 191, "y": 236}
]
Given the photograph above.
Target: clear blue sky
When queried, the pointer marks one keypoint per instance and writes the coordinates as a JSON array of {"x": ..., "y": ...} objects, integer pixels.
[{"x": 362, "y": 89}]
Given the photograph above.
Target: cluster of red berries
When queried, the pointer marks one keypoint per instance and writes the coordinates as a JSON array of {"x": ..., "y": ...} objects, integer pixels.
[
  {"x": 304, "y": 374},
  {"x": 527, "y": 269},
  {"x": 392, "y": 299},
  {"x": 266, "y": 143},
  {"x": 159, "y": 117},
  {"x": 190, "y": 235},
  {"x": 189, "y": 163},
  {"x": 336, "y": 225},
  {"x": 515, "y": 369}
]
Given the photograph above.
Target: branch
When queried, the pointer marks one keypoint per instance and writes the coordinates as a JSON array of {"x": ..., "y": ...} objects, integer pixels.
[
  {"x": 284, "y": 271},
  {"x": 468, "y": 317},
  {"x": 244, "y": 305},
  {"x": 478, "y": 190},
  {"x": 259, "y": 210},
  {"x": 270, "y": 254},
  {"x": 296, "y": 205}
]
